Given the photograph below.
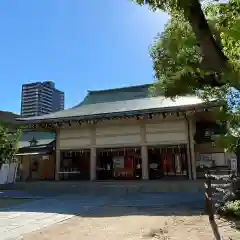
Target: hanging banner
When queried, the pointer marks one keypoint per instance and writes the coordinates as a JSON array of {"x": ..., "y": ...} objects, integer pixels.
[
  {"x": 178, "y": 163},
  {"x": 128, "y": 162}
]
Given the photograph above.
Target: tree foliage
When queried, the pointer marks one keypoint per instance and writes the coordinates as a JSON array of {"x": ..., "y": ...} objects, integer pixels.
[
  {"x": 213, "y": 57},
  {"x": 9, "y": 138},
  {"x": 199, "y": 50}
]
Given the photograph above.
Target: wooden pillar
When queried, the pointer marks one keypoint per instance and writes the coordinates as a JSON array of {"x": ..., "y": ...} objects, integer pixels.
[
  {"x": 58, "y": 155},
  {"x": 144, "y": 155},
  {"x": 93, "y": 155},
  {"x": 144, "y": 152},
  {"x": 189, "y": 162},
  {"x": 93, "y": 163},
  {"x": 191, "y": 151}
]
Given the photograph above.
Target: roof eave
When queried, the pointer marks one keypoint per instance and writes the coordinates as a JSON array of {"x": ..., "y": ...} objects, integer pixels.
[
  {"x": 116, "y": 114},
  {"x": 30, "y": 151}
]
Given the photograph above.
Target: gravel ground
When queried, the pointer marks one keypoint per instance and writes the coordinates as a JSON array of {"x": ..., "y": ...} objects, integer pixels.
[{"x": 125, "y": 223}]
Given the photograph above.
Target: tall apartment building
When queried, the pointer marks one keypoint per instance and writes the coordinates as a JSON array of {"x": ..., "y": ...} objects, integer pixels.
[{"x": 41, "y": 98}]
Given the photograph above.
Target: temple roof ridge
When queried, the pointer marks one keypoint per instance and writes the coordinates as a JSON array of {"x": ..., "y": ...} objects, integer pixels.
[
  {"x": 132, "y": 87},
  {"x": 116, "y": 94}
]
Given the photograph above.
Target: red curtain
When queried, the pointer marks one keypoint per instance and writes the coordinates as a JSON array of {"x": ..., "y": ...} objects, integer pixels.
[{"x": 128, "y": 162}]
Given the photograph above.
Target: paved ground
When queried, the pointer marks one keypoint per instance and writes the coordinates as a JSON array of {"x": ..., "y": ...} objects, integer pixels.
[
  {"x": 25, "y": 195},
  {"x": 133, "y": 216},
  {"x": 8, "y": 202},
  {"x": 31, "y": 216}
]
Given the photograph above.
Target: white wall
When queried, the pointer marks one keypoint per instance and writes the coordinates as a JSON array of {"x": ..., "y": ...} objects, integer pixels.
[
  {"x": 124, "y": 134},
  {"x": 118, "y": 135},
  {"x": 74, "y": 138},
  {"x": 166, "y": 132}
]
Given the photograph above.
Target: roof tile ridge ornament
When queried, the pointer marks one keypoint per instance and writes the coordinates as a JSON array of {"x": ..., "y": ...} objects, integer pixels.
[{"x": 33, "y": 142}]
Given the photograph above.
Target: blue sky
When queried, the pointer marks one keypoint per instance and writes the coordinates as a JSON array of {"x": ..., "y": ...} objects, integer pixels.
[{"x": 80, "y": 45}]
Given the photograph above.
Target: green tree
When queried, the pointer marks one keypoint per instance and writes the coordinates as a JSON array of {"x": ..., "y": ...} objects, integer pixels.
[
  {"x": 199, "y": 51},
  {"x": 9, "y": 138},
  {"x": 213, "y": 57}
]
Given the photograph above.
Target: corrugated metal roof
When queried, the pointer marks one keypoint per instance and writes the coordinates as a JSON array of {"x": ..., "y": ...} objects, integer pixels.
[{"x": 119, "y": 107}]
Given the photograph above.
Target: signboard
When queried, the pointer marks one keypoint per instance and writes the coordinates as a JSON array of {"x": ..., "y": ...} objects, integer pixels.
[
  {"x": 118, "y": 162},
  {"x": 178, "y": 163},
  {"x": 153, "y": 165},
  {"x": 205, "y": 160},
  {"x": 233, "y": 164},
  {"x": 206, "y": 157},
  {"x": 219, "y": 159}
]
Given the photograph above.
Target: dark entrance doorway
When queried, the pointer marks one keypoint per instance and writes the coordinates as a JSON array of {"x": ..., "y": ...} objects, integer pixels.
[
  {"x": 167, "y": 161},
  {"x": 119, "y": 163},
  {"x": 75, "y": 165}
]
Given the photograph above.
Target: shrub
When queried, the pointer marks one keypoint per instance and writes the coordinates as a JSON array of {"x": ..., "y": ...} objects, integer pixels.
[{"x": 231, "y": 209}]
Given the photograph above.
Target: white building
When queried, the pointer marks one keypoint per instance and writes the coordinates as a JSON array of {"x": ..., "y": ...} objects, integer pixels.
[{"x": 41, "y": 98}]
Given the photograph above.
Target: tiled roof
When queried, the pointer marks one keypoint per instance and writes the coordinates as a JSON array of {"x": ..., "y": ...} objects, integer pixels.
[
  {"x": 119, "y": 108},
  {"x": 117, "y": 102},
  {"x": 40, "y": 143},
  {"x": 8, "y": 117},
  {"x": 43, "y": 138},
  {"x": 117, "y": 94}
]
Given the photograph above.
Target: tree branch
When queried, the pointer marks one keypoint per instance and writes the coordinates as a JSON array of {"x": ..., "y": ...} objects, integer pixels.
[{"x": 214, "y": 59}]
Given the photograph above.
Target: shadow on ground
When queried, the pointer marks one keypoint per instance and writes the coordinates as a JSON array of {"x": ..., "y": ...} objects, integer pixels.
[{"x": 110, "y": 204}]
